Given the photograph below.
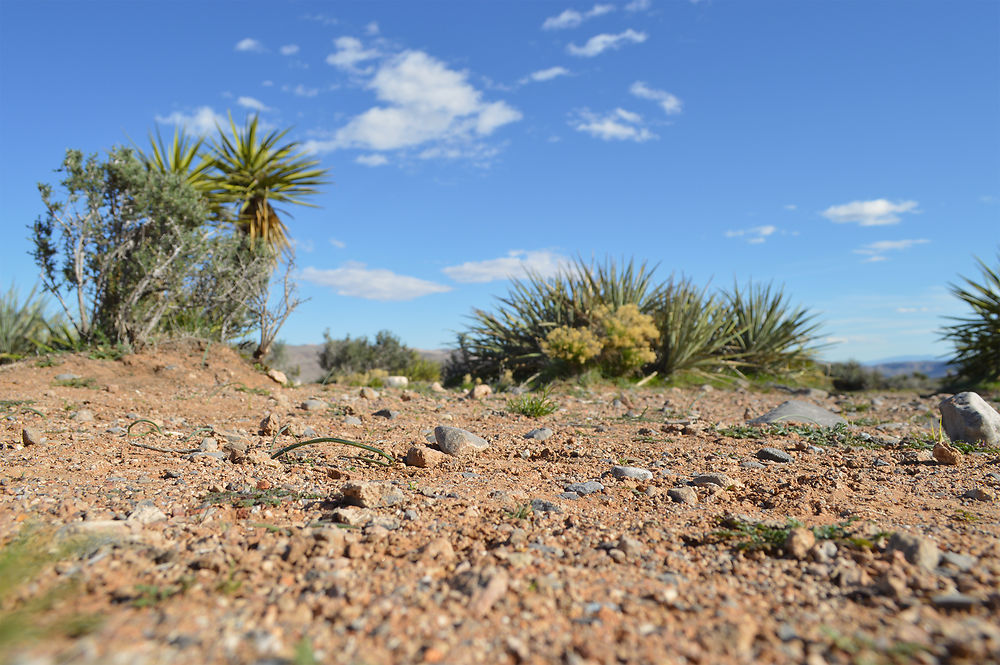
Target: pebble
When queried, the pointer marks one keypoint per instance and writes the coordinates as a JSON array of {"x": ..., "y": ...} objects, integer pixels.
[
  {"x": 372, "y": 494},
  {"x": 980, "y": 494},
  {"x": 423, "y": 457},
  {"x": 352, "y": 420},
  {"x": 622, "y": 472},
  {"x": 277, "y": 376},
  {"x": 386, "y": 413},
  {"x": 208, "y": 445},
  {"x": 482, "y": 391},
  {"x": 720, "y": 479},
  {"x": 774, "y": 455},
  {"x": 954, "y": 601},
  {"x": 269, "y": 425},
  {"x": 569, "y": 496},
  {"x": 879, "y": 462},
  {"x": 583, "y": 489},
  {"x": 83, "y": 416},
  {"x": 146, "y": 512},
  {"x": 798, "y": 542},
  {"x": 945, "y": 454},
  {"x": 960, "y": 561},
  {"x": 212, "y": 454},
  {"x": 683, "y": 495},
  {"x": 67, "y": 377},
  {"x": 31, "y": 437},
  {"x": 752, "y": 464},
  {"x": 543, "y": 506},
  {"x": 457, "y": 441},
  {"x": 539, "y": 434},
  {"x": 116, "y": 429},
  {"x": 314, "y": 405},
  {"x": 368, "y": 393},
  {"x": 918, "y": 550},
  {"x": 309, "y": 433},
  {"x": 396, "y": 381}
]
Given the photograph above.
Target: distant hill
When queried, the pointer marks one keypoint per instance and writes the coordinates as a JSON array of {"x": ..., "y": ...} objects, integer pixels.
[{"x": 934, "y": 369}]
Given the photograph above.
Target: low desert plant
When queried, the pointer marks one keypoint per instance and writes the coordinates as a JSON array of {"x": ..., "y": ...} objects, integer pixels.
[
  {"x": 695, "y": 330},
  {"x": 533, "y": 405},
  {"x": 350, "y": 358},
  {"x": 976, "y": 336},
  {"x": 20, "y": 323}
]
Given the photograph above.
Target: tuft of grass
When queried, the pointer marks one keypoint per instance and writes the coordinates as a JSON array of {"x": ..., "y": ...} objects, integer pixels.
[
  {"x": 533, "y": 405},
  {"x": 253, "y": 391},
  {"x": 83, "y": 382},
  {"x": 522, "y": 512},
  {"x": 150, "y": 595},
  {"x": 839, "y": 435},
  {"x": 770, "y": 538},
  {"x": 272, "y": 497},
  {"x": 863, "y": 650}
]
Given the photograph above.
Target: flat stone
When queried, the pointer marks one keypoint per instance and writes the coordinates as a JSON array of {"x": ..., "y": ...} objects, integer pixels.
[
  {"x": 31, "y": 437},
  {"x": 583, "y": 489},
  {"x": 954, "y": 601},
  {"x": 720, "y": 479},
  {"x": 423, "y": 457},
  {"x": 799, "y": 412},
  {"x": 980, "y": 494},
  {"x": 774, "y": 455},
  {"x": 396, "y": 381},
  {"x": 967, "y": 417},
  {"x": 543, "y": 506},
  {"x": 277, "y": 376},
  {"x": 751, "y": 464},
  {"x": 683, "y": 495},
  {"x": 146, "y": 512},
  {"x": 314, "y": 405},
  {"x": 916, "y": 549},
  {"x": 539, "y": 434},
  {"x": 634, "y": 472},
  {"x": 372, "y": 494},
  {"x": 457, "y": 441}
]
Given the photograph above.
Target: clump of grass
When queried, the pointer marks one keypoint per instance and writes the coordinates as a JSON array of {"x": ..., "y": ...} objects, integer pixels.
[
  {"x": 271, "y": 497},
  {"x": 864, "y": 650},
  {"x": 768, "y": 537},
  {"x": 533, "y": 405},
  {"x": 838, "y": 435},
  {"x": 150, "y": 595},
  {"x": 81, "y": 382},
  {"x": 253, "y": 391},
  {"x": 523, "y": 512}
]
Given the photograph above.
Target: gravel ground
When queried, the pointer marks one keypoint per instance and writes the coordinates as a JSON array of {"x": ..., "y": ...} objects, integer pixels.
[{"x": 647, "y": 526}]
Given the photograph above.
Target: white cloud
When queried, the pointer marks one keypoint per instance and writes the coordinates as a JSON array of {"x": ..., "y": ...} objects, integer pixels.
[
  {"x": 875, "y": 251},
  {"x": 339, "y": 244},
  {"x": 371, "y": 28},
  {"x": 618, "y": 125},
  {"x": 912, "y": 310},
  {"x": 545, "y": 74},
  {"x": 516, "y": 264},
  {"x": 251, "y": 103},
  {"x": 791, "y": 206},
  {"x": 267, "y": 84},
  {"x": 425, "y": 103},
  {"x": 350, "y": 53},
  {"x": 573, "y": 19},
  {"x": 354, "y": 279},
  {"x": 668, "y": 102},
  {"x": 301, "y": 90},
  {"x": 201, "y": 122},
  {"x": 372, "y": 160},
  {"x": 869, "y": 213},
  {"x": 250, "y": 45},
  {"x": 638, "y": 5},
  {"x": 755, "y": 235},
  {"x": 289, "y": 49},
  {"x": 305, "y": 245},
  {"x": 600, "y": 43}
]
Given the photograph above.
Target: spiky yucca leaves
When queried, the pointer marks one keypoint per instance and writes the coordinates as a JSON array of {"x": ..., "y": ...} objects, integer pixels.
[
  {"x": 183, "y": 157},
  {"x": 976, "y": 337},
  {"x": 20, "y": 323},
  {"x": 256, "y": 172},
  {"x": 695, "y": 328},
  {"x": 511, "y": 337},
  {"x": 773, "y": 337}
]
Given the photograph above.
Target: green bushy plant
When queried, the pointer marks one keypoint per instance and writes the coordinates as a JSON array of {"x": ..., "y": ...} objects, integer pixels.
[
  {"x": 976, "y": 336},
  {"x": 354, "y": 357},
  {"x": 20, "y": 323},
  {"x": 695, "y": 330}
]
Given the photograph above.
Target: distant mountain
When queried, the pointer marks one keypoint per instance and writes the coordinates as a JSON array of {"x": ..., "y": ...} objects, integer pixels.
[{"x": 934, "y": 369}]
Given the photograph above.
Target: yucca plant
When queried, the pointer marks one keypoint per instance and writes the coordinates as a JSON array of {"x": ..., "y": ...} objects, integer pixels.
[
  {"x": 773, "y": 337},
  {"x": 695, "y": 329},
  {"x": 184, "y": 157},
  {"x": 976, "y": 337},
  {"x": 255, "y": 172},
  {"x": 20, "y": 323}
]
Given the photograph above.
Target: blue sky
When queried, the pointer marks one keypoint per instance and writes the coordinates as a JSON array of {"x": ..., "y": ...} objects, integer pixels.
[{"x": 849, "y": 150}]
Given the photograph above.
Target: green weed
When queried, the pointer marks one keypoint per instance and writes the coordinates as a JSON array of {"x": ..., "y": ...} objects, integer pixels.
[
  {"x": 253, "y": 391},
  {"x": 81, "y": 382},
  {"x": 533, "y": 405},
  {"x": 150, "y": 595}
]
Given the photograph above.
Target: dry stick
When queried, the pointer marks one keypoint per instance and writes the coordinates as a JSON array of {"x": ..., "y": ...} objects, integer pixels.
[
  {"x": 331, "y": 439},
  {"x": 157, "y": 448}
]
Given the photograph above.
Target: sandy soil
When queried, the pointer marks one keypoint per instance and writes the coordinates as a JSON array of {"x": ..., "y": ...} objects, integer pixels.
[{"x": 481, "y": 558}]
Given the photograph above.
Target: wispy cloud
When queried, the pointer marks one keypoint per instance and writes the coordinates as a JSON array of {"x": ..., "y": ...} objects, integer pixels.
[
  {"x": 300, "y": 90},
  {"x": 426, "y": 104},
  {"x": 250, "y": 45},
  {"x": 357, "y": 280},
  {"x": 545, "y": 74},
  {"x": 670, "y": 104},
  {"x": 201, "y": 121},
  {"x": 517, "y": 264},
  {"x": 339, "y": 244},
  {"x": 790, "y": 206},
  {"x": 251, "y": 103},
  {"x": 878, "y": 212},
  {"x": 289, "y": 49},
  {"x": 638, "y": 5},
  {"x": 755, "y": 235},
  {"x": 600, "y": 43},
  {"x": 617, "y": 125},
  {"x": 372, "y": 29},
  {"x": 372, "y": 160},
  {"x": 350, "y": 54},
  {"x": 876, "y": 251},
  {"x": 573, "y": 19}
]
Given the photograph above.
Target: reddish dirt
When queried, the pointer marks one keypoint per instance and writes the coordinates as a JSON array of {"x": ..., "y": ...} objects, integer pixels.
[{"x": 251, "y": 560}]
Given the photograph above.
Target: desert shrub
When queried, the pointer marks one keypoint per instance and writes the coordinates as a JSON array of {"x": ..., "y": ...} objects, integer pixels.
[
  {"x": 356, "y": 357},
  {"x": 976, "y": 336},
  {"x": 628, "y": 336},
  {"x": 573, "y": 346},
  {"x": 129, "y": 247},
  {"x": 853, "y": 376},
  {"x": 695, "y": 330},
  {"x": 20, "y": 323},
  {"x": 771, "y": 336}
]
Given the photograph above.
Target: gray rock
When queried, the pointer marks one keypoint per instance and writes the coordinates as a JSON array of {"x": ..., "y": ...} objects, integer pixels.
[
  {"x": 583, "y": 489},
  {"x": 457, "y": 441},
  {"x": 67, "y": 377},
  {"x": 314, "y": 405},
  {"x": 116, "y": 429},
  {"x": 372, "y": 495},
  {"x": 309, "y": 433},
  {"x": 352, "y": 420},
  {"x": 216, "y": 455},
  {"x": 954, "y": 601},
  {"x": 683, "y": 495},
  {"x": 387, "y": 414},
  {"x": 208, "y": 445},
  {"x": 774, "y": 455},
  {"x": 569, "y": 496},
  {"x": 622, "y": 472},
  {"x": 83, "y": 416},
  {"x": 720, "y": 479},
  {"x": 396, "y": 381},
  {"x": 967, "y": 417},
  {"x": 31, "y": 437},
  {"x": 751, "y": 464},
  {"x": 918, "y": 550},
  {"x": 543, "y": 506},
  {"x": 539, "y": 434},
  {"x": 146, "y": 512},
  {"x": 962, "y": 562},
  {"x": 797, "y": 411}
]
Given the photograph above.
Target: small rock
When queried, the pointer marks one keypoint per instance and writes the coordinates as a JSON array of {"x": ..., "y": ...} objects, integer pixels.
[
  {"x": 314, "y": 405},
  {"x": 353, "y": 421},
  {"x": 720, "y": 479},
  {"x": 481, "y": 391},
  {"x": 423, "y": 457},
  {"x": 980, "y": 494},
  {"x": 634, "y": 472},
  {"x": 774, "y": 455},
  {"x": 67, "y": 377},
  {"x": 798, "y": 542},
  {"x": 277, "y": 376},
  {"x": 683, "y": 495},
  {"x": 945, "y": 454},
  {"x": 962, "y": 562},
  {"x": 751, "y": 464},
  {"x": 309, "y": 433},
  {"x": 83, "y": 416},
  {"x": 539, "y": 434},
  {"x": 543, "y": 506},
  {"x": 208, "y": 445},
  {"x": 918, "y": 550},
  {"x": 352, "y": 516},
  {"x": 583, "y": 489},
  {"x": 954, "y": 601},
  {"x": 630, "y": 546},
  {"x": 386, "y": 413},
  {"x": 396, "y": 381},
  {"x": 368, "y": 393},
  {"x": 31, "y": 437},
  {"x": 269, "y": 425},
  {"x": 112, "y": 388},
  {"x": 824, "y": 551},
  {"x": 146, "y": 512},
  {"x": 457, "y": 441},
  {"x": 803, "y": 413},
  {"x": 967, "y": 417},
  {"x": 372, "y": 494},
  {"x": 437, "y": 387}
]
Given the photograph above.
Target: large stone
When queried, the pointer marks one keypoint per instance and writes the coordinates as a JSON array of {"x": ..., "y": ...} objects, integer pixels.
[
  {"x": 967, "y": 417},
  {"x": 396, "y": 381},
  {"x": 457, "y": 441},
  {"x": 372, "y": 495},
  {"x": 277, "y": 376},
  {"x": 919, "y": 551},
  {"x": 423, "y": 457},
  {"x": 799, "y": 412}
]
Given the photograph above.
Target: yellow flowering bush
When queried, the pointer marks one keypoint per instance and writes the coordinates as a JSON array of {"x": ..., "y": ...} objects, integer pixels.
[
  {"x": 575, "y": 346},
  {"x": 628, "y": 336}
]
